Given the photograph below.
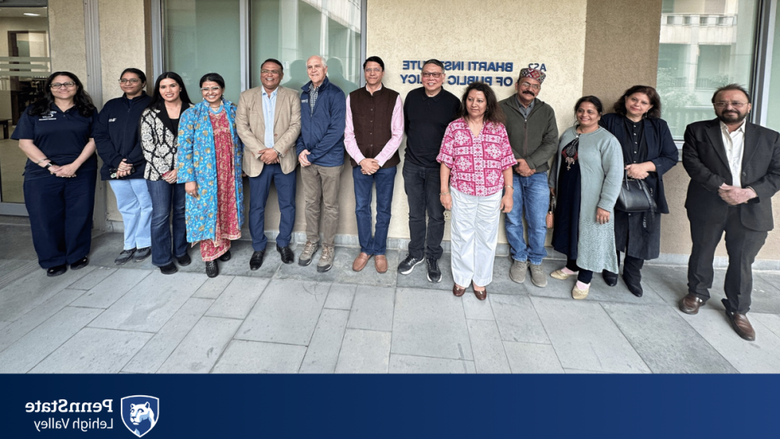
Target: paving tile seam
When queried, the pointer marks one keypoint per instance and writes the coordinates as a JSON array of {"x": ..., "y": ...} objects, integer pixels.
[
  {"x": 503, "y": 347},
  {"x": 704, "y": 339},
  {"x": 628, "y": 339},
  {"x": 227, "y": 345},
  {"x": 68, "y": 339}
]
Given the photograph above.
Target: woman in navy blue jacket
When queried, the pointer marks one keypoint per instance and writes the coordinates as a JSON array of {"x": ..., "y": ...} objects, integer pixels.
[
  {"x": 648, "y": 152},
  {"x": 119, "y": 145},
  {"x": 59, "y": 178}
]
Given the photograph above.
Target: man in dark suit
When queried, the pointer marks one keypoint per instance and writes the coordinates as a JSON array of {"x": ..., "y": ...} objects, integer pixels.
[{"x": 734, "y": 167}]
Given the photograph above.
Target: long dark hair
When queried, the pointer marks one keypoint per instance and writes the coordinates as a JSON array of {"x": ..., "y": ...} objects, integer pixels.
[
  {"x": 81, "y": 99},
  {"x": 652, "y": 95},
  {"x": 493, "y": 112},
  {"x": 158, "y": 103}
]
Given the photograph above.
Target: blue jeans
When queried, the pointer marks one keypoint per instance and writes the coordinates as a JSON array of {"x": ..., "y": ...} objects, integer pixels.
[
  {"x": 532, "y": 195},
  {"x": 135, "y": 205},
  {"x": 385, "y": 181},
  {"x": 167, "y": 205},
  {"x": 259, "y": 188}
]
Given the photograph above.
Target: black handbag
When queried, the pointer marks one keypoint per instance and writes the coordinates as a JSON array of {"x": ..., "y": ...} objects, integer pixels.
[{"x": 634, "y": 196}]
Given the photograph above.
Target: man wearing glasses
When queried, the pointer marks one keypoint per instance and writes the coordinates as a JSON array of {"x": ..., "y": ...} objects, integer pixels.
[
  {"x": 533, "y": 134},
  {"x": 373, "y": 133},
  {"x": 734, "y": 167},
  {"x": 268, "y": 120},
  {"x": 427, "y": 112}
]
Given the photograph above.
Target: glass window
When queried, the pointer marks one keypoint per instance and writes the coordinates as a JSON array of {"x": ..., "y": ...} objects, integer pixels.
[
  {"x": 704, "y": 44},
  {"x": 202, "y": 36},
  {"x": 25, "y": 64},
  {"x": 292, "y": 31},
  {"x": 773, "y": 105}
]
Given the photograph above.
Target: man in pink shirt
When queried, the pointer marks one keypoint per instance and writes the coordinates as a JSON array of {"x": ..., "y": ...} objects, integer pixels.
[{"x": 374, "y": 129}]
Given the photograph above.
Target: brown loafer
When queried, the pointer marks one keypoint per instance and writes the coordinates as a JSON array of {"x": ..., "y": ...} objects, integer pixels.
[
  {"x": 690, "y": 304},
  {"x": 380, "y": 262},
  {"x": 360, "y": 261},
  {"x": 481, "y": 295},
  {"x": 741, "y": 325},
  {"x": 458, "y": 291}
]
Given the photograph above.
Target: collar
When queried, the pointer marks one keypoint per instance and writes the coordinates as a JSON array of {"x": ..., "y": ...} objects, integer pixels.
[
  {"x": 273, "y": 93},
  {"x": 520, "y": 104},
  {"x": 435, "y": 97},
  {"x": 381, "y": 87},
  {"x": 141, "y": 96},
  {"x": 725, "y": 129}
]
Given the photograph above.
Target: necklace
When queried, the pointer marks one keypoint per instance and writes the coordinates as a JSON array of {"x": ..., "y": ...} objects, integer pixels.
[{"x": 217, "y": 111}]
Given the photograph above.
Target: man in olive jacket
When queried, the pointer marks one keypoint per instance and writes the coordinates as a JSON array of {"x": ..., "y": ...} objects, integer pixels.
[{"x": 533, "y": 134}]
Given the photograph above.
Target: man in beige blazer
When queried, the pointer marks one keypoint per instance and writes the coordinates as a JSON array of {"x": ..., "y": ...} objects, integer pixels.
[{"x": 269, "y": 155}]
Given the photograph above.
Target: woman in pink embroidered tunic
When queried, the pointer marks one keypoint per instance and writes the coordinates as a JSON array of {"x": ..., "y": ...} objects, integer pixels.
[{"x": 476, "y": 161}]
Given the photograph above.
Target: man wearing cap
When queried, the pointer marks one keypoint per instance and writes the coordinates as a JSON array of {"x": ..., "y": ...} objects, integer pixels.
[
  {"x": 374, "y": 129},
  {"x": 533, "y": 134}
]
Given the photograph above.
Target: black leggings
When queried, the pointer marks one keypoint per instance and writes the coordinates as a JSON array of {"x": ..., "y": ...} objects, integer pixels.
[{"x": 584, "y": 276}]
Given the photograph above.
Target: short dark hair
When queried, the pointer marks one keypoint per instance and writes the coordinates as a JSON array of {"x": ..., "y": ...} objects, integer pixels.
[
  {"x": 653, "y": 113},
  {"x": 375, "y": 59},
  {"x": 137, "y": 72},
  {"x": 275, "y": 61},
  {"x": 213, "y": 77},
  {"x": 493, "y": 112},
  {"x": 81, "y": 99},
  {"x": 435, "y": 62},
  {"x": 157, "y": 102},
  {"x": 593, "y": 100},
  {"x": 728, "y": 87}
]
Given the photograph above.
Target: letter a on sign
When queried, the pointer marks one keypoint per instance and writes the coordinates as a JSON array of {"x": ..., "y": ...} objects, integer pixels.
[{"x": 140, "y": 413}]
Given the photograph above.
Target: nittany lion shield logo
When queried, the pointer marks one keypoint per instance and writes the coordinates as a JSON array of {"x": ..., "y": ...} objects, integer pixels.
[{"x": 140, "y": 413}]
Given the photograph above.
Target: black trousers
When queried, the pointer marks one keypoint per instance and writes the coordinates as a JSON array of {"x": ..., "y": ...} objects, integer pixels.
[
  {"x": 422, "y": 186},
  {"x": 742, "y": 245},
  {"x": 60, "y": 212}
]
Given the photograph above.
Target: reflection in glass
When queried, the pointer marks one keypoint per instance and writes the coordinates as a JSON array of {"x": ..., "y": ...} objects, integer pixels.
[{"x": 704, "y": 45}]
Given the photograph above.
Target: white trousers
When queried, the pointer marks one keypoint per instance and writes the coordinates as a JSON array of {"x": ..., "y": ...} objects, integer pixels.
[{"x": 474, "y": 237}]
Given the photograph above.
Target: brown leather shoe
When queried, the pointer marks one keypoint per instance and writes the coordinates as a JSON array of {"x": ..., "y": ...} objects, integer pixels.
[
  {"x": 741, "y": 325},
  {"x": 458, "y": 291},
  {"x": 361, "y": 260},
  {"x": 690, "y": 304},
  {"x": 481, "y": 295},
  {"x": 380, "y": 262}
]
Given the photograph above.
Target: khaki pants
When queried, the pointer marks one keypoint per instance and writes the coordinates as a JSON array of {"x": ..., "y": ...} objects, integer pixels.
[{"x": 321, "y": 186}]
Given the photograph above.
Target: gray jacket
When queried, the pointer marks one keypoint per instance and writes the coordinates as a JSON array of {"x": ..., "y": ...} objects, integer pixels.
[{"x": 534, "y": 139}]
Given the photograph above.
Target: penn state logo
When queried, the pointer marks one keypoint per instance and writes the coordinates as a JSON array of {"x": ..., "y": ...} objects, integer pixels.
[{"x": 140, "y": 413}]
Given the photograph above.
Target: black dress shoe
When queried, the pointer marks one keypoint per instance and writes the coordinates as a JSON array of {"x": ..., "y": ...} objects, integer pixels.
[
  {"x": 56, "y": 271},
  {"x": 225, "y": 257},
  {"x": 212, "y": 270},
  {"x": 633, "y": 284},
  {"x": 610, "y": 278},
  {"x": 184, "y": 260},
  {"x": 256, "y": 261},
  {"x": 81, "y": 263},
  {"x": 170, "y": 268},
  {"x": 287, "y": 255}
]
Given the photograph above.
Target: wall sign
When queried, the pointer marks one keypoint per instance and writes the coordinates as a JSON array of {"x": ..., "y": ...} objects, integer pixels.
[{"x": 492, "y": 73}]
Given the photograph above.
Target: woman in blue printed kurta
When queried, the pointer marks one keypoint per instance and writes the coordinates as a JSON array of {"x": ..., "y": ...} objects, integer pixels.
[{"x": 209, "y": 164}]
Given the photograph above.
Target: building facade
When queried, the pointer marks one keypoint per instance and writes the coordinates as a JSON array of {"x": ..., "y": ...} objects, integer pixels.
[{"x": 686, "y": 48}]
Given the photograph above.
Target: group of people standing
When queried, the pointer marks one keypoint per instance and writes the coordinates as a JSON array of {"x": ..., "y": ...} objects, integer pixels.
[{"x": 176, "y": 170}]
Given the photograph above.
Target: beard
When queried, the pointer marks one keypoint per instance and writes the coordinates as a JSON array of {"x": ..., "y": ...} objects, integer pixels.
[{"x": 732, "y": 117}]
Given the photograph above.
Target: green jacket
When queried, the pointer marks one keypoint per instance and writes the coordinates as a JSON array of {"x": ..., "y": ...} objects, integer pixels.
[{"x": 534, "y": 139}]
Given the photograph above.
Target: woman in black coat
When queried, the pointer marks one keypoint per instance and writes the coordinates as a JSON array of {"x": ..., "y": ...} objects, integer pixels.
[{"x": 648, "y": 152}]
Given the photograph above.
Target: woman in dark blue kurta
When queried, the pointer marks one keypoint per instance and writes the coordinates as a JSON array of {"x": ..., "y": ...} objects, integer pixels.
[
  {"x": 59, "y": 178},
  {"x": 648, "y": 152}
]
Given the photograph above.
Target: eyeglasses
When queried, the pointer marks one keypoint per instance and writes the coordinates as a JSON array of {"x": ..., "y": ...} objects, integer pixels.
[
  {"x": 531, "y": 86},
  {"x": 208, "y": 89},
  {"x": 273, "y": 72},
  {"x": 432, "y": 74},
  {"x": 63, "y": 84},
  {"x": 129, "y": 81},
  {"x": 374, "y": 70},
  {"x": 735, "y": 104}
]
